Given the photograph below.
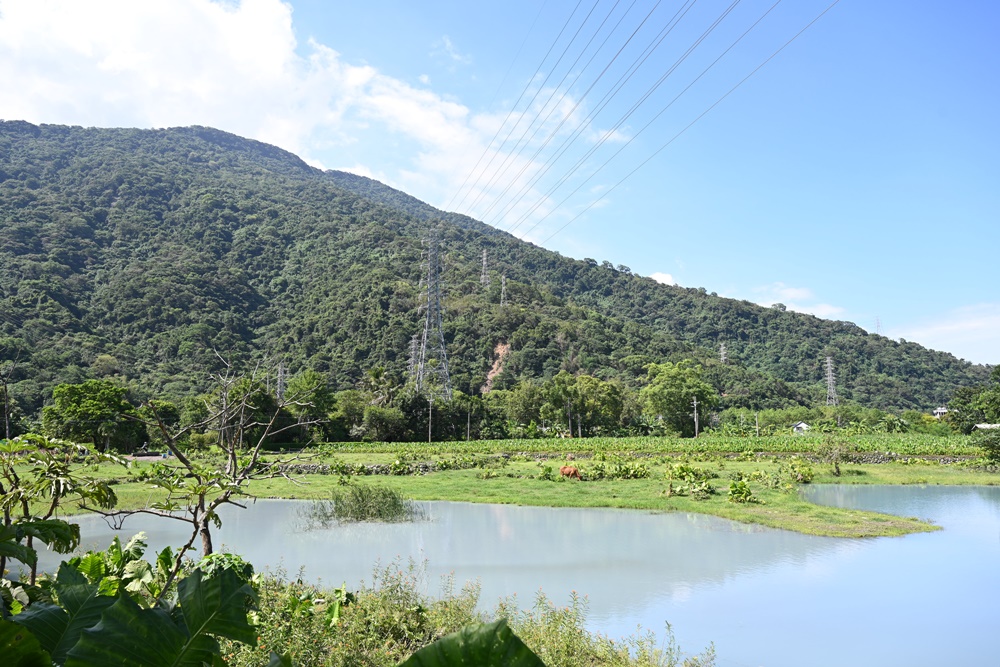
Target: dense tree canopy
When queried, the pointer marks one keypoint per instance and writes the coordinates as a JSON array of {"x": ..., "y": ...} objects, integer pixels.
[
  {"x": 96, "y": 411},
  {"x": 141, "y": 254}
]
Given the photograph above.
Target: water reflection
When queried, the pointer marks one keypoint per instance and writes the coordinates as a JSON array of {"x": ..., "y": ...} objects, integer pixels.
[
  {"x": 510, "y": 549},
  {"x": 764, "y": 596}
]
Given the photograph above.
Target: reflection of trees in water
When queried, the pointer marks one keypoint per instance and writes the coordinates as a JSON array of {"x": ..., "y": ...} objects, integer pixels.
[{"x": 621, "y": 560}]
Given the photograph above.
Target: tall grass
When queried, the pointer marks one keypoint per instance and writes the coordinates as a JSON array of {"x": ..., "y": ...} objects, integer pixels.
[
  {"x": 385, "y": 623},
  {"x": 362, "y": 502}
]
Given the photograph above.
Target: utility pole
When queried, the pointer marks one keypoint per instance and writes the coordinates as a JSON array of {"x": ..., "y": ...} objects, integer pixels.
[
  {"x": 430, "y": 416},
  {"x": 831, "y": 383},
  {"x": 484, "y": 277},
  {"x": 432, "y": 345},
  {"x": 695, "y": 405}
]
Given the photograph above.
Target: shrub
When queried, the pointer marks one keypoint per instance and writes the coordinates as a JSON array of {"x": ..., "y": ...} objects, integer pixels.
[
  {"x": 361, "y": 502},
  {"x": 989, "y": 442},
  {"x": 798, "y": 470},
  {"x": 617, "y": 467},
  {"x": 740, "y": 492},
  {"x": 689, "y": 473}
]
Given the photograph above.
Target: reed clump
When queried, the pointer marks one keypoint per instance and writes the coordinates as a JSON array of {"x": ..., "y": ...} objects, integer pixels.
[{"x": 361, "y": 502}]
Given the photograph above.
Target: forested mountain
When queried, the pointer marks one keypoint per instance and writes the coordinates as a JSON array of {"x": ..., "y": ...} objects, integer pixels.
[{"x": 143, "y": 253}]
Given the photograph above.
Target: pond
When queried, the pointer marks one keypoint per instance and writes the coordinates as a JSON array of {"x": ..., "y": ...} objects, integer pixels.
[{"x": 763, "y": 596}]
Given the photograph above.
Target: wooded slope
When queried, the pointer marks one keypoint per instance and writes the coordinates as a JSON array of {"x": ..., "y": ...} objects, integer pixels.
[{"x": 143, "y": 252}]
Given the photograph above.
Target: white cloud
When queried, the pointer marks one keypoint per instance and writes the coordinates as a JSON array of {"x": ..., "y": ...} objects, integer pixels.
[
  {"x": 237, "y": 66},
  {"x": 798, "y": 299},
  {"x": 424, "y": 79},
  {"x": 446, "y": 47},
  {"x": 664, "y": 278},
  {"x": 969, "y": 332}
]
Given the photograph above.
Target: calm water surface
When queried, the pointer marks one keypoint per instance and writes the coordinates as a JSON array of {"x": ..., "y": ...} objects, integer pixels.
[{"x": 764, "y": 596}]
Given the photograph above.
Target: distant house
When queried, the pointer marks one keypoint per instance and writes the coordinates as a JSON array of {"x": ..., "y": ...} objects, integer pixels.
[
  {"x": 940, "y": 412},
  {"x": 985, "y": 427},
  {"x": 801, "y": 427}
]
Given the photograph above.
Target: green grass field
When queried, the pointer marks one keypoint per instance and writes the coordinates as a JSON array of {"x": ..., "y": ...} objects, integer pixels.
[{"x": 636, "y": 473}]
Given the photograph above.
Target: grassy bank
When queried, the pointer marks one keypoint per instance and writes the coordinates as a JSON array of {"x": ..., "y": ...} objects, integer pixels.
[{"x": 658, "y": 474}]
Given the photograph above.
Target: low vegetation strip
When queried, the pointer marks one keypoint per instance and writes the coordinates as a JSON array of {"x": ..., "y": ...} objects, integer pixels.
[
  {"x": 910, "y": 444},
  {"x": 744, "y": 479}
]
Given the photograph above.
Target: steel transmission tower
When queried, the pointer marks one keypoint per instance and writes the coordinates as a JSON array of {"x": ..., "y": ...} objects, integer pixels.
[
  {"x": 432, "y": 347},
  {"x": 503, "y": 290},
  {"x": 722, "y": 353},
  {"x": 411, "y": 364},
  {"x": 484, "y": 277},
  {"x": 831, "y": 383}
]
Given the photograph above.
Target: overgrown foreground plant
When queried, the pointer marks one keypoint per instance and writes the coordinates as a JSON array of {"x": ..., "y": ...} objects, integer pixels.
[
  {"x": 80, "y": 627},
  {"x": 107, "y": 608},
  {"x": 391, "y": 621}
]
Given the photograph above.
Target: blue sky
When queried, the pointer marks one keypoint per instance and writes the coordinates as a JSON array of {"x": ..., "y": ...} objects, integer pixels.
[{"x": 854, "y": 175}]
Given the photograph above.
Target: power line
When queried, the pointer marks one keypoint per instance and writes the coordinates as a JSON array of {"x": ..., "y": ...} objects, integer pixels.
[
  {"x": 497, "y": 93},
  {"x": 621, "y": 121},
  {"x": 538, "y": 113},
  {"x": 603, "y": 102},
  {"x": 685, "y": 128},
  {"x": 523, "y": 141},
  {"x": 527, "y": 87}
]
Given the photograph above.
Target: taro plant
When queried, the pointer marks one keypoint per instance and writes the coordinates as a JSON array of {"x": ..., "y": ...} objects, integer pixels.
[
  {"x": 688, "y": 473},
  {"x": 83, "y": 628},
  {"x": 798, "y": 470},
  {"x": 119, "y": 568},
  {"x": 740, "y": 492},
  {"x": 485, "y": 644},
  {"x": 702, "y": 490}
]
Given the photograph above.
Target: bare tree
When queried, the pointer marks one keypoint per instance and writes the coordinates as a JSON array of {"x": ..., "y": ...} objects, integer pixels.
[
  {"x": 6, "y": 373},
  {"x": 244, "y": 416}
]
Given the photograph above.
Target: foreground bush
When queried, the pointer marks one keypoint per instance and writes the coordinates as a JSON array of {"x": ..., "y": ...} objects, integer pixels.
[{"x": 384, "y": 624}]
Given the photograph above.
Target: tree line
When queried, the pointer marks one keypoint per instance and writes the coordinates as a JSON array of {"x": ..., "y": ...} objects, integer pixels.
[{"x": 674, "y": 400}]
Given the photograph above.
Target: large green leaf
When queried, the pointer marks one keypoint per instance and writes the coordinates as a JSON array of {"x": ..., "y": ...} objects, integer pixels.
[
  {"x": 283, "y": 660},
  {"x": 217, "y": 605},
  {"x": 484, "y": 645},
  {"x": 10, "y": 547},
  {"x": 130, "y": 635},
  {"x": 61, "y": 535},
  {"x": 127, "y": 634},
  {"x": 58, "y": 628},
  {"x": 19, "y": 648}
]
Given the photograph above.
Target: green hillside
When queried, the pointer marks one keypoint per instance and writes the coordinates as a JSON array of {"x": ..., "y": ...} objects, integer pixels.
[{"x": 144, "y": 253}]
